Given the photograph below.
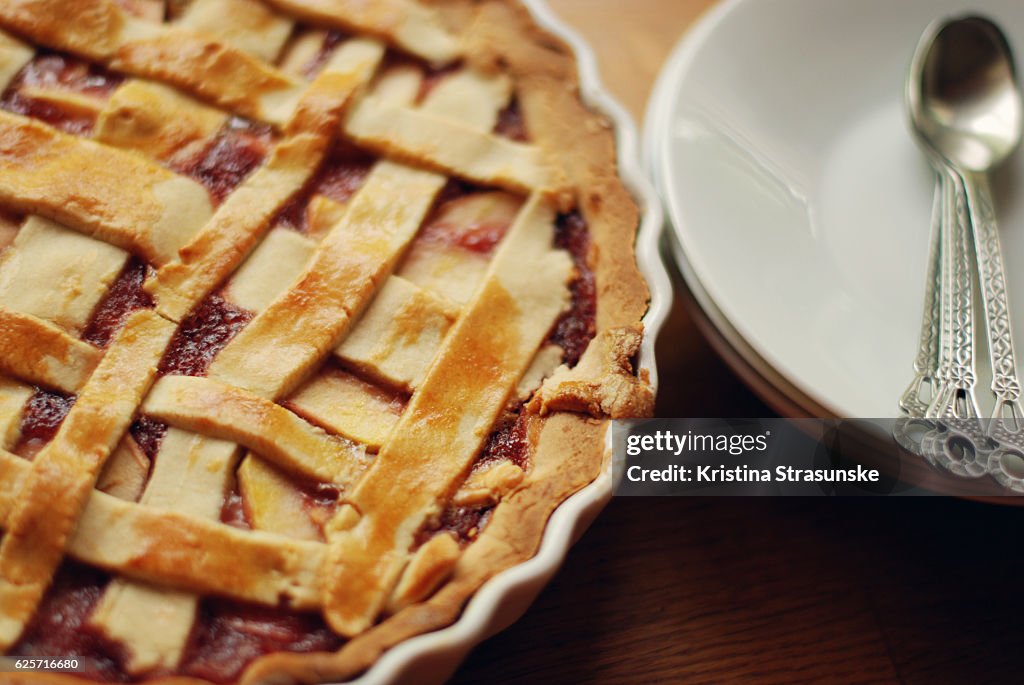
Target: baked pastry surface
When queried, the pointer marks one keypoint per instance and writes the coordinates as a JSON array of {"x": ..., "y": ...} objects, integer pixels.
[{"x": 311, "y": 313}]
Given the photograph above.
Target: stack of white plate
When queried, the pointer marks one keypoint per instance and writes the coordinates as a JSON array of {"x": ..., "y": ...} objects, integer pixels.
[{"x": 798, "y": 201}]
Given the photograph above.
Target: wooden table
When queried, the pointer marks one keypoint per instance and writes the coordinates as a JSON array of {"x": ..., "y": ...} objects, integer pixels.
[{"x": 758, "y": 590}]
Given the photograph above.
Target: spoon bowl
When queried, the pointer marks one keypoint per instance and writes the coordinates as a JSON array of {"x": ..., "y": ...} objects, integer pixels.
[{"x": 965, "y": 101}]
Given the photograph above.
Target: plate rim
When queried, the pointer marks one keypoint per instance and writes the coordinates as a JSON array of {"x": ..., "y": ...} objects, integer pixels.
[{"x": 771, "y": 384}]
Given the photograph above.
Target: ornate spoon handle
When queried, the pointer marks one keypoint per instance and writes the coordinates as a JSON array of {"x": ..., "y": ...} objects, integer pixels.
[
  {"x": 924, "y": 386},
  {"x": 1005, "y": 385},
  {"x": 955, "y": 399},
  {"x": 955, "y": 441}
]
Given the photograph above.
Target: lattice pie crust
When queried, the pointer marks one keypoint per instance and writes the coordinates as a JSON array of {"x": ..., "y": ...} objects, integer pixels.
[{"x": 319, "y": 306}]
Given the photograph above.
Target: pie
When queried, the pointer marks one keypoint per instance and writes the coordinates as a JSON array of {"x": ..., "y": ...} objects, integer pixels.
[{"x": 311, "y": 313}]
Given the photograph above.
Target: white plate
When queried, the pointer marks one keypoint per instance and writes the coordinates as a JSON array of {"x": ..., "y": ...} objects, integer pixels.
[
  {"x": 433, "y": 657},
  {"x": 801, "y": 204}
]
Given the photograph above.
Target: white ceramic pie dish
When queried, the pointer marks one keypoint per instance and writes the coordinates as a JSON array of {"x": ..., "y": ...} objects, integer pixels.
[
  {"x": 434, "y": 657},
  {"x": 798, "y": 199}
]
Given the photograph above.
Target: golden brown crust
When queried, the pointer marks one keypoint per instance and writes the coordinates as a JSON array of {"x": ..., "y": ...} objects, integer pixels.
[
  {"x": 412, "y": 27},
  {"x": 63, "y": 474},
  {"x": 569, "y": 453},
  {"x": 116, "y": 196},
  {"x": 449, "y": 418},
  {"x": 155, "y": 120},
  {"x": 221, "y": 245},
  {"x": 604, "y": 383},
  {"x": 38, "y": 352},
  {"x": 568, "y": 449},
  {"x": 105, "y": 32},
  {"x": 582, "y": 141},
  {"x": 95, "y": 32},
  {"x": 453, "y": 148},
  {"x": 233, "y": 78},
  {"x": 204, "y": 406}
]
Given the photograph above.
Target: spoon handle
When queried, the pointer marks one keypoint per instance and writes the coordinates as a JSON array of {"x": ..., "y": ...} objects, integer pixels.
[
  {"x": 915, "y": 399},
  {"x": 1005, "y": 384},
  {"x": 951, "y": 436},
  {"x": 955, "y": 398}
]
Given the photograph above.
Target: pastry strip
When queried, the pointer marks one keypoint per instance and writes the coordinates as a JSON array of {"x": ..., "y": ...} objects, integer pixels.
[
  {"x": 63, "y": 474},
  {"x": 13, "y": 397},
  {"x": 214, "y": 71},
  {"x": 13, "y": 56},
  {"x": 179, "y": 550},
  {"x": 272, "y": 501},
  {"x": 65, "y": 100},
  {"x": 118, "y": 197},
  {"x": 270, "y": 268},
  {"x": 409, "y": 25},
  {"x": 448, "y": 419},
  {"x": 155, "y": 120},
  {"x": 469, "y": 98},
  {"x": 348, "y": 406},
  {"x": 201, "y": 555},
  {"x": 426, "y": 570},
  {"x": 399, "y": 334},
  {"x": 210, "y": 408},
  {"x": 38, "y": 352},
  {"x": 194, "y": 62},
  {"x": 248, "y": 25},
  {"x": 450, "y": 147},
  {"x": 57, "y": 274},
  {"x": 13, "y": 471},
  {"x": 125, "y": 474}
]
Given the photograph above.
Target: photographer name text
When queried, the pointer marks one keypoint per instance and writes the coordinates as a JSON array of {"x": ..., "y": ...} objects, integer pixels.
[{"x": 736, "y": 445}]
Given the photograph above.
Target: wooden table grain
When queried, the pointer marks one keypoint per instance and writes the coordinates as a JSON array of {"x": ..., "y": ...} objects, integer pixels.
[{"x": 700, "y": 590}]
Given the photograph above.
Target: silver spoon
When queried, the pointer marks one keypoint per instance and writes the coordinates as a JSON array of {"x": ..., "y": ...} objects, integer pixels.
[
  {"x": 952, "y": 375},
  {"x": 966, "y": 109},
  {"x": 972, "y": 114},
  {"x": 945, "y": 363}
]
